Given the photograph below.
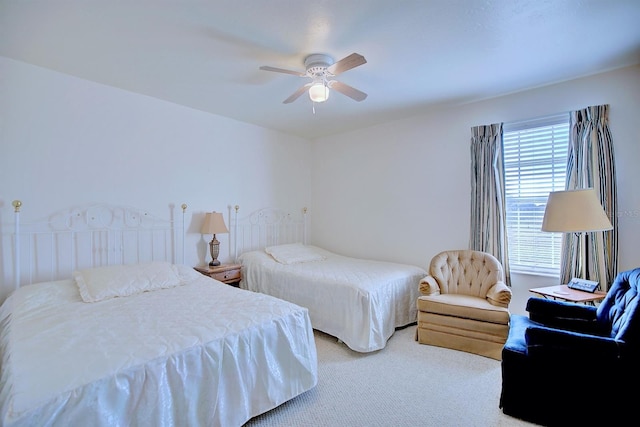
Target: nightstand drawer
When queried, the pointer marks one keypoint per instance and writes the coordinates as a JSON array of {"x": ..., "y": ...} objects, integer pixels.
[
  {"x": 227, "y": 276},
  {"x": 225, "y": 273}
]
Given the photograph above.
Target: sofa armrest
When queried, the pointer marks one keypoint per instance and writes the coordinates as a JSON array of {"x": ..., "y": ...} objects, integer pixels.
[
  {"x": 429, "y": 286},
  {"x": 499, "y": 295},
  {"x": 561, "y": 346}
]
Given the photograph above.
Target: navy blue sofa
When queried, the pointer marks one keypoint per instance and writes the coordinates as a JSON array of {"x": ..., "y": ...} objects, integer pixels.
[{"x": 573, "y": 364}]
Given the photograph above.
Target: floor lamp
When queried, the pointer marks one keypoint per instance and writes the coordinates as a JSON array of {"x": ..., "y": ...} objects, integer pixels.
[{"x": 576, "y": 211}]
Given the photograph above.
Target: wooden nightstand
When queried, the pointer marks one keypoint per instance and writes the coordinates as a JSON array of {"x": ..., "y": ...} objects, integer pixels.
[{"x": 226, "y": 273}]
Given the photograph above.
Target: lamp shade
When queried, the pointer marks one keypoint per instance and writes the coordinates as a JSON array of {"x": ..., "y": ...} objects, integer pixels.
[
  {"x": 319, "y": 92},
  {"x": 213, "y": 224},
  {"x": 574, "y": 211}
]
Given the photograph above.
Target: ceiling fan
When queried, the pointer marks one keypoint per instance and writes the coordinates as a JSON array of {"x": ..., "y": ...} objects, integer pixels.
[{"x": 321, "y": 69}]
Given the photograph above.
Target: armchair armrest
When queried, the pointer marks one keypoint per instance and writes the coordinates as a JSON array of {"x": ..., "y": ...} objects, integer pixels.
[
  {"x": 555, "y": 308},
  {"x": 559, "y": 345},
  {"x": 564, "y": 315},
  {"x": 429, "y": 286},
  {"x": 499, "y": 295}
]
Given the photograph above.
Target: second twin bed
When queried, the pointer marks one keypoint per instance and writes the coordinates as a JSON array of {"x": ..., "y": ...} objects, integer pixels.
[{"x": 361, "y": 302}]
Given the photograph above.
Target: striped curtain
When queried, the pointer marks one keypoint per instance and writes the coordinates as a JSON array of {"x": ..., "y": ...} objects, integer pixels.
[
  {"x": 488, "y": 215},
  {"x": 590, "y": 164}
]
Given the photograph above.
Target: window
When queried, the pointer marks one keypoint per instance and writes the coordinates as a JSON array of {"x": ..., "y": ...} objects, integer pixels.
[{"x": 535, "y": 161}]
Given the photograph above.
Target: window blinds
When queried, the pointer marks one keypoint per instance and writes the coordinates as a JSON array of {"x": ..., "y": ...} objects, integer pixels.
[{"x": 535, "y": 160}]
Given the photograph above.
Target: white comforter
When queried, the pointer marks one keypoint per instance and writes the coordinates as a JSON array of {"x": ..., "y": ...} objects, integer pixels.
[
  {"x": 200, "y": 354},
  {"x": 359, "y": 301}
]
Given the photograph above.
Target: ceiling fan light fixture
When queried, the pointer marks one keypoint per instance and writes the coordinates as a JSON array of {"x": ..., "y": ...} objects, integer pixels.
[
  {"x": 319, "y": 92},
  {"x": 321, "y": 69}
]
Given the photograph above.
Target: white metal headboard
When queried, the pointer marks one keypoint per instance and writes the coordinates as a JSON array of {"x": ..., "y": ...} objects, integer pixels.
[
  {"x": 266, "y": 227},
  {"x": 92, "y": 236}
]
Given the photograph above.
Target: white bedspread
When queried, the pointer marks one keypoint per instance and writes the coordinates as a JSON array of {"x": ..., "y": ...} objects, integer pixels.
[
  {"x": 359, "y": 301},
  {"x": 200, "y": 354}
]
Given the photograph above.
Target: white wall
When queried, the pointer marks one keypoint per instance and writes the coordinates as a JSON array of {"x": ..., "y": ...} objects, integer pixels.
[
  {"x": 400, "y": 191},
  {"x": 65, "y": 142},
  {"x": 397, "y": 191}
]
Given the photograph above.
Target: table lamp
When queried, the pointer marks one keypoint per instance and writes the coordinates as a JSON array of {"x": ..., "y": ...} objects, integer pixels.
[
  {"x": 575, "y": 211},
  {"x": 214, "y": 224}
]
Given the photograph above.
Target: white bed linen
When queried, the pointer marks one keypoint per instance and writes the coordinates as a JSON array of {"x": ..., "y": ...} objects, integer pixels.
[
  {"x": 200, "y": 354},
  {"x": 359, "y": 301}
]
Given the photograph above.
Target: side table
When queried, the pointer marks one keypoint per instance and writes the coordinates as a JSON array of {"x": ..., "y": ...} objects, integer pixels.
[
  {"x": 565, "y": 293},
  {"x": 230, "y": 274}
]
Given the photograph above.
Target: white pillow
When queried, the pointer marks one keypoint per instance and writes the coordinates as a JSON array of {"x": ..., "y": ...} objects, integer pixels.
[
  {"x": 293, "y": 253},
  {"x": 101, "y": 283}
]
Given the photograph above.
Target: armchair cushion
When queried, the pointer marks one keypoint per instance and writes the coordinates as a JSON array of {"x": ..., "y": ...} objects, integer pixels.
[{"x": 463, "y": 306}]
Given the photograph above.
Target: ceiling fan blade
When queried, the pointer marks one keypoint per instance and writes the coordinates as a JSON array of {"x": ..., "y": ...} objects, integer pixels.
[
  {"x": 295, "y": 95},
  {"x": 347, "y": 90},
  {"x": 346, "y": 64},
  {"x": 282, "y": 70}
]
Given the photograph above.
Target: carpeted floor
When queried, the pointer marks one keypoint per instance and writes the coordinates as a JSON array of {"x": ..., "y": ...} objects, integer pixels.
[{"x": 405, "y": 384}]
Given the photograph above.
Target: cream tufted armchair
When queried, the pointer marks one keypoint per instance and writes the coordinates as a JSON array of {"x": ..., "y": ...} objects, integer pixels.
[{"x": 464, "y": 303}]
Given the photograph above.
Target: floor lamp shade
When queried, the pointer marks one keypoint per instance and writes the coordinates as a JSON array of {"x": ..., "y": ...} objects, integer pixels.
[
  {"x": 214, "y": 224},
  {"x": 575, "y": 211}
]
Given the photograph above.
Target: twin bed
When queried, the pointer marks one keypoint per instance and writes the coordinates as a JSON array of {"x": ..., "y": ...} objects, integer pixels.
[
  {"x": 107, "y": 326},
  {"x": 361, "y": 302}
]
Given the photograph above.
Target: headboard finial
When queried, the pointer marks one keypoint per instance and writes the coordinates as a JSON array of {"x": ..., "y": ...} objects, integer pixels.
[{"x": 17, "y": 204}]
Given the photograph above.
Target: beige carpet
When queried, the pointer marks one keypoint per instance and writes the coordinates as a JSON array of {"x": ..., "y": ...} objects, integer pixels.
[{"x": 405, "y": 384}]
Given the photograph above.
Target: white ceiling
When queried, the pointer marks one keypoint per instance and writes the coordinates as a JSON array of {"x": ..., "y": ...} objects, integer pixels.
[{"x": 420, "y": 54}]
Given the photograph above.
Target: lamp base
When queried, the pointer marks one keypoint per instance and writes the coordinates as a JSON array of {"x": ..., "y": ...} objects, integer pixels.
[{"x": 214, "y": 248}]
